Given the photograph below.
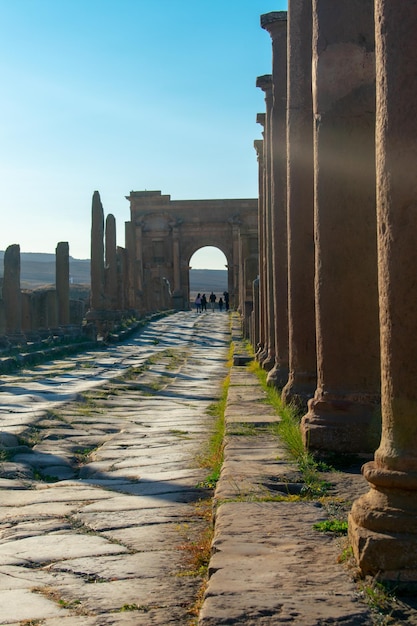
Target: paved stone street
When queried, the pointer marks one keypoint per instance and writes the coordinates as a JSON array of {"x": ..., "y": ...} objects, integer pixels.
[
  {"x": 99, "y": 478},
  {"x": 101, "y": 507}
]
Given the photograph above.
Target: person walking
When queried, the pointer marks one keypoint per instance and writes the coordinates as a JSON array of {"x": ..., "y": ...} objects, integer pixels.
[
  {"x": 197, "y": 303},
  {"x": 220, "y": 304},
  {"x": 212, "y": 300},
  {"x": 226, "y": 300},
  {"x": 203, "y": 302}
]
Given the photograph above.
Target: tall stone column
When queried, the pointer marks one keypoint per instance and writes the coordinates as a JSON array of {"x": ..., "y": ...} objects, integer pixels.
[
  {"x": 300, "y": 208},
  {"x": 97, "y": 255},
  {"x": 276, "y": 25},
  {"x": 383, "y": 523},
  {"x": 261, "y": 321},
  {"x": 62, "y": 282},
  {"x": 267, "y": 357},
  {"x": 342, "y": 414},
  {"x": 12, "y": 295},
  {"x": 111, "y": 288}
]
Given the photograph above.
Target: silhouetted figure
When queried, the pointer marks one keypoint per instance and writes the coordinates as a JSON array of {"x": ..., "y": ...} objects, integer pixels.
[
  {"x": 212, "y": 300},
  {"x": 220, "y": 304},
  {"x": 226, "y": 300},
  {"x": 197, "y": 303},
  {"x": 203, "y": 302}
]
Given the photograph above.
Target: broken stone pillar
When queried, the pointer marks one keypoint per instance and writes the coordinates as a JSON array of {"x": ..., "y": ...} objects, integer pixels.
[
  {"x": 97, "y": 255},
  {"x": 276, "y": 25},
  {"x": 122, "y": 276},
  {"x": 344, "y": 413},
  {"x": 12, "y": 296},
  {"x": 111, "y": 287},
  {"x": 267, "y": 357},
  {"x": 302, "y": 379},
  {"x": 62, "y": 282},
  {"x": 383, "y": 523}
]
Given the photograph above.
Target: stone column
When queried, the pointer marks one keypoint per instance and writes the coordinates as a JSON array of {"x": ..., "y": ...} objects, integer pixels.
[
  {"x": 12, "y": 296},
  {"x": 276, "y": 25},
  {"x": 255, "y": 313},
  {"x": 62, "y": 282},
  {"x": 300, "y": 209},
  {"x": 383, "y": 523},
  {"x": 342, "y": 416},
  {"x": 122, "y": 289},
  {"x": 267, "y": 357},
  {"x": 97, "y": 254},
  {"x": 261, "y": 331},
  {"x": 111, "y": 288}
]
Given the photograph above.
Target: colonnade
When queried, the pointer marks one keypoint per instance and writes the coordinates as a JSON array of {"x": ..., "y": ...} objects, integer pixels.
[{"x": 337, "y": 226}]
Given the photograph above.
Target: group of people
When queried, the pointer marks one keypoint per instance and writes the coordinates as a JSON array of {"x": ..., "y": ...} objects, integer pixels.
[{"x": 201, "y": 302}]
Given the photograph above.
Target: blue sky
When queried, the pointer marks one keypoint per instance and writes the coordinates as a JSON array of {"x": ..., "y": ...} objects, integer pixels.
[{"x": 121, "y": 95}]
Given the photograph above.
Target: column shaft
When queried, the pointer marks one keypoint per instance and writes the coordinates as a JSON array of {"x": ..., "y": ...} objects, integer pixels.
[
  {"x": 97, "y": 254},
  {"x": 267, "y": 357},
  {"x": 259, "y": 317},
  {"x": 300, "y": 209},
  {"x": 111, "y": 287},
  {"x": 343, "y": 415},
  {"x": 276, "y": 24},
  {"x": 12, "y": 295},
  {"x": 62, "y": 282}
]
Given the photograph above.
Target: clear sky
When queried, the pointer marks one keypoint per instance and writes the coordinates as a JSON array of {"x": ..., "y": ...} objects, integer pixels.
[{"x": 122, "y": 95}]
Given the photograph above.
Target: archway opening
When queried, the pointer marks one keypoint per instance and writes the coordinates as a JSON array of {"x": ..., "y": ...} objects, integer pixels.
[{"x": 208, "y": 273}]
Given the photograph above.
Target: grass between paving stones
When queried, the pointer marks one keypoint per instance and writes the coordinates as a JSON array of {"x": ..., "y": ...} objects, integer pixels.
[
  {"x": 289, "y": 433},
  {"x": 199, "y": 552},
  {"x": 212, "y": 456},
  {"x": 54, "y": 596}
]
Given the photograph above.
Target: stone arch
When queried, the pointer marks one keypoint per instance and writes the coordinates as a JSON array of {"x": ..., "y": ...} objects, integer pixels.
[
  {"x": 211, "y": 244},
  {"x": 163, "y": 234}
]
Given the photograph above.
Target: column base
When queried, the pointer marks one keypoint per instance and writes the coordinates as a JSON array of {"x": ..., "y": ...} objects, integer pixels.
[
  {"x": 383, "y": 526},
  {"x": 299, "y": 389},
  {"x": 278, "y": 376},
  {"x": 266, "y": 360},
  {"x": 342, "y": 423}
]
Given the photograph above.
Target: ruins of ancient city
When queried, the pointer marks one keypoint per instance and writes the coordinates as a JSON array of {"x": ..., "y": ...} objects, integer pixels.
[{"x": 321, "y": 266}]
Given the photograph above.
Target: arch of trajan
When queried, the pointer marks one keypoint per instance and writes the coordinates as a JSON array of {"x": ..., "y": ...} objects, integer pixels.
[
  {"x": 323, "y": 266},
  {"x": 165, "y": 234}
]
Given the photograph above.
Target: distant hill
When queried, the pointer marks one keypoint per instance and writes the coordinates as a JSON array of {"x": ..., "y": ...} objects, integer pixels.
[
  {"x": 38, "y": 269},
  {"x": 206, "y": 281}
]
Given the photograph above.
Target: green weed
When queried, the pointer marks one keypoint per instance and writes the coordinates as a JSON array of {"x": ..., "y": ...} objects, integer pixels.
[{"x": 339, "y": 527}]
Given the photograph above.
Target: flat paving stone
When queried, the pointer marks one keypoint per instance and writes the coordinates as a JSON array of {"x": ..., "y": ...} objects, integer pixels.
[{"x": 17, "y": 605}]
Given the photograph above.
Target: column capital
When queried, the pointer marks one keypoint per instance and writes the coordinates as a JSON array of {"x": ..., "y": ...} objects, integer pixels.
[
  {"x": 264, "y": 82},
  {"x": 258, "y": 144},
  {"x": 261, "y": 119},
  {"x": 274, "y": 21}
]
